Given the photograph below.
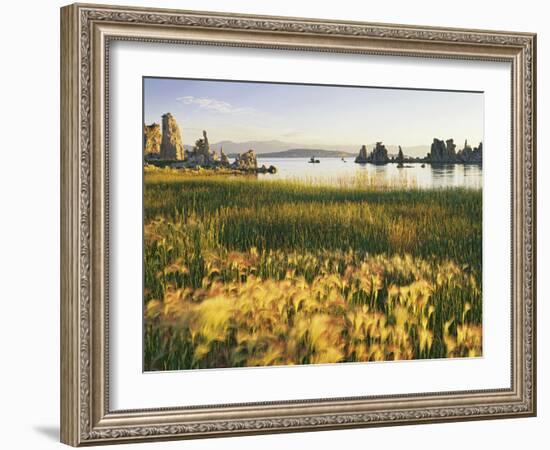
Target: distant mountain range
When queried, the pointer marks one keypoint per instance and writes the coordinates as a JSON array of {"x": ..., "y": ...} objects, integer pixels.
[
  {"x": 296, "y": 150},
  {"x": 308, "y": 153},
  {"x": 260, "y": 147}
]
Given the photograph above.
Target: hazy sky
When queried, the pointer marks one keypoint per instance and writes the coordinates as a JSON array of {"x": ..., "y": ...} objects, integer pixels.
[{"x": 313, "y": 115}]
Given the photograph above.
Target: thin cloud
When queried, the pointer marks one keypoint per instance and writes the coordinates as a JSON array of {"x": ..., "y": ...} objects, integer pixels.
[
  {"x": 213, "y": 104},
  {"x": 292, "y": 133}
]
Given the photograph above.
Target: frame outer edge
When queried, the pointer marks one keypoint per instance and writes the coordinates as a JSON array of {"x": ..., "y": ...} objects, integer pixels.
[
  {"x": 533, "y": 229},
  {"x": 69, "y": 208},
  {"x": 79, "y": 425}
]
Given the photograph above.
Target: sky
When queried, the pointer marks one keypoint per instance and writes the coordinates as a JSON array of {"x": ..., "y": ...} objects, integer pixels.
[{"x": 313, "y": 114}]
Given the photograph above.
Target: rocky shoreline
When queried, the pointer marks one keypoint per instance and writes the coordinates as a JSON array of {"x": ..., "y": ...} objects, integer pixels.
[
  {"x": 165, "y": 149},
  {"x": 159, "y": 168}
]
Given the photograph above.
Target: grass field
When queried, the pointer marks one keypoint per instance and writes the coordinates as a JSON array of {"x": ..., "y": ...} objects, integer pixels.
[{"x": 239, "y": 272}]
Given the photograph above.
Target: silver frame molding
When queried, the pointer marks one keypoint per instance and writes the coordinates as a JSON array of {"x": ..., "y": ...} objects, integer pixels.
[{"x": 86, "y": 33}]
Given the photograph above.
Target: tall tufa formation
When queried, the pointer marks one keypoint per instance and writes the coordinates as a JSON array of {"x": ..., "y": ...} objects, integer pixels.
[
  {"x": 362, "y": 158},
  {"x": 151, "y": 140},
  {"x": 400, "y": 158},
  {"x": 202, "y": 146},
  {"x": 379, "y": 154},
  {"x": 438, "y": 151},
  {"x": 171, "y": 147},
  {"x": 442, "y": 151},
  {"x": 451, "y": 149}
]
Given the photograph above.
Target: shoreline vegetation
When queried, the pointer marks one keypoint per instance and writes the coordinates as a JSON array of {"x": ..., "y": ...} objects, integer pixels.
[{"x": 242, "y": 273}]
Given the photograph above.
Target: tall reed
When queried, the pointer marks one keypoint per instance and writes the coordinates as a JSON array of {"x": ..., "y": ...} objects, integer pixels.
[{"x": 240, "y": 272}]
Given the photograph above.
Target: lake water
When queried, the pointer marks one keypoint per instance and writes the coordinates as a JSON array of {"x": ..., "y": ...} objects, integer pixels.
[{"x": 334, "y": 171}]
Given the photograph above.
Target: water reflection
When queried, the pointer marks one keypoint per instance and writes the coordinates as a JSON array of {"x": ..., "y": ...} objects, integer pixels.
[{"x": 335, "y": 171}]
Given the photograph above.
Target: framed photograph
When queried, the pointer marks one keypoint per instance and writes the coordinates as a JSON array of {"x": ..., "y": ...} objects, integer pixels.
[{"x": 276, "y": 224}]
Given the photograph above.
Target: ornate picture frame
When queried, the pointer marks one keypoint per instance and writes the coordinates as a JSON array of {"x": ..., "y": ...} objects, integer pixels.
[{"x": 87, "y": 31}]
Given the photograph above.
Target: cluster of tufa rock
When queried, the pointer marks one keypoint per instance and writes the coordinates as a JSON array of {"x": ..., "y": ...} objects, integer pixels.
[
  {"x": 246, "y": 160},
  {"x": 167, "y": 147},
  {"x": 445, "y": 152},
  {"x": 469, "y": 155},
  {"x": 378, "y": 155},
  {"x": 201, "y": 155},
  {"x": 441, "y": 152}
]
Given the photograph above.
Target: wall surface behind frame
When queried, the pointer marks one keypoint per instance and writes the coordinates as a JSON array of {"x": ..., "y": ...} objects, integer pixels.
[{"x": 29, "y": 225}]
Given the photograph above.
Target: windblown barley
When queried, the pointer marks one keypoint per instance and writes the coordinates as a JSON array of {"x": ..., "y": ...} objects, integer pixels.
[{"x": 244, "y": 273}]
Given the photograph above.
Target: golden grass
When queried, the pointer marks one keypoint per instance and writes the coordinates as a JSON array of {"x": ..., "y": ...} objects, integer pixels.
[
  {"x": 359, "y": 315},
  {"x": 246, "y": 273}
]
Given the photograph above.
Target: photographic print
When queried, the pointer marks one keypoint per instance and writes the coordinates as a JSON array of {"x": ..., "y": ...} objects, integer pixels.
[{"x": 291, "y": 224}]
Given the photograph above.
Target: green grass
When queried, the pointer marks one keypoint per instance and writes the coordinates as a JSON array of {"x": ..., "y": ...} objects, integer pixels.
[
  {"x": 194, "y": 223},
  {"x": 239, "y": 213}
]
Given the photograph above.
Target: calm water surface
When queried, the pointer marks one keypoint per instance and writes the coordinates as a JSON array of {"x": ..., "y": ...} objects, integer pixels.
[{"x": 334, "y": 171}]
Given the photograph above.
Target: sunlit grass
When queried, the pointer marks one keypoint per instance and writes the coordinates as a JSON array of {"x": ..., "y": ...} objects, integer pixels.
[{"x": 245, "y": 273}]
